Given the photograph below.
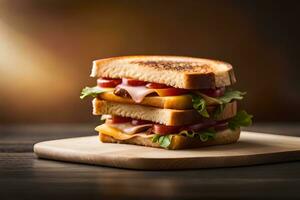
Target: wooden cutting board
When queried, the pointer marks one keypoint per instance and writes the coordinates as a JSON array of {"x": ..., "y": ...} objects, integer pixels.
[{"x": 252, "y": 148}]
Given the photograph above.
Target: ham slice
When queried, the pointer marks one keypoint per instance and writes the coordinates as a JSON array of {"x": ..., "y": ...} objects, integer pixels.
[
  {"x": 128, "y": 128},
  {"x": 115, "y": 133},
  {"x": 137, "y": 93}
]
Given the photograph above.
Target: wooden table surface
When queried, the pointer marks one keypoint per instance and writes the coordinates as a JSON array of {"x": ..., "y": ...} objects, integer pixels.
[{"x": 23, "y": 176}]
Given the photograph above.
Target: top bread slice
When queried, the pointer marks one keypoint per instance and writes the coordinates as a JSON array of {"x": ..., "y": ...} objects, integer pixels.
[{"x": 175, "y": 71}]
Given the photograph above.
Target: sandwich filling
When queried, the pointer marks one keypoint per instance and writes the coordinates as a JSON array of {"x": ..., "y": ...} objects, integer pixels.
[
  {"x": 160, "y": 95},
  {"x": 209, "y": 103},
  {"x": 123, "y": 128}
]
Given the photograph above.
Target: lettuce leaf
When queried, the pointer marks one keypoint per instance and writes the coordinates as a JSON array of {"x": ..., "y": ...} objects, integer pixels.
[
  {"x": 163, "y": 140},
  {"x": 203, "y": 135},
  {"x": 231, "y": 95},
  {"x": 226, "y": 98},
  {"x": 91, "y": 91},
  {"x": 199, "y": 104},
  {"x": 242, "y": 118},
  {"x": 200, "y": 100}
]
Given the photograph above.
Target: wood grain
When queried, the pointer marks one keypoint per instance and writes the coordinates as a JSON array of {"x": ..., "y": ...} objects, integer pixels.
[
  {"x": 23, "y": 176},
  {"x": 252, "y": 148}
]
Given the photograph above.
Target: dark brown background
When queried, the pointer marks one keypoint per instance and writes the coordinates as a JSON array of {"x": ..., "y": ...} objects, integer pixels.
[{"x": 47, "y": 47}]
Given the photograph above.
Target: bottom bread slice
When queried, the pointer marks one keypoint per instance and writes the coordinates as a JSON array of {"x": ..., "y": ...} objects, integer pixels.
[{"x": 226, "y": 136}]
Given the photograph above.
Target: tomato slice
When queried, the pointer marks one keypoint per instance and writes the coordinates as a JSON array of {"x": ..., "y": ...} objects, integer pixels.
[
  {"x": 171, "y": 91},
  {"x": 157, "y": 86},
  {"x": 117, "y": 120},
  {"x": 164, "y": 130},
  {"x": 108, "y": 82},
  {"x": 136, "y": 122},
  {"x": 133, "y": 82},
  {"x": 201, "y": 125},
  {"x": 214, "y": 92},
  {"x": 221, "y": 126}
]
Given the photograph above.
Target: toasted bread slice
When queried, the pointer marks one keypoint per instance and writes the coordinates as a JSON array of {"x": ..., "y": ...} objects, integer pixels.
[
  {"x": 226, "y": 136},
  {"x": 181, "y": 102},
  {"x": 179, "y": 72},
  {"x": 170, "y": 117}
]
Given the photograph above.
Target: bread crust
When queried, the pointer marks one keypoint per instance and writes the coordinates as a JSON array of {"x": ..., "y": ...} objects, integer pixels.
[
  {"x": 170, "y": 117},
  {"x": 226, "y": 136},
  {"x": 176, "y": 71}
]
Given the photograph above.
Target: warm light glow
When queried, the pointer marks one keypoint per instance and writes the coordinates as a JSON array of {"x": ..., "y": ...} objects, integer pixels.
[{"x": 29, "y": 72}]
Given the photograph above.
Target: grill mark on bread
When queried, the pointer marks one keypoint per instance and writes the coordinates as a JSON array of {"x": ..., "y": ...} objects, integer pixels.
[{"x": 176, "y": 66}]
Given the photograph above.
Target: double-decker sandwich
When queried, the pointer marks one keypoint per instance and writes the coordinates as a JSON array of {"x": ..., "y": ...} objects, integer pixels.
[{"x": 166, "y": 101}]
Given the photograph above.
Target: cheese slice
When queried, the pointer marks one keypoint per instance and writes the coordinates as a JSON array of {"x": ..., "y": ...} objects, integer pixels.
[
  {"x": 105, "y": 89},
  {"x": 119, "y": 135},
  {"x": 104, "y": 117},
  {"x": 128, "y": 128},
  {"x": 137, "y": 93},
  {"x": 182, "y": 102}
]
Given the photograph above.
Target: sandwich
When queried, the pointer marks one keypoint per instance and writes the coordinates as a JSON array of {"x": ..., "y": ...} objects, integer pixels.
[{"x": 167, "y": 102}]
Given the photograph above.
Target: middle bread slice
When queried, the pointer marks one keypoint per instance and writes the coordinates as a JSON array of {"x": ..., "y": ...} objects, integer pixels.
[{"x": 169, "y": 117}]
